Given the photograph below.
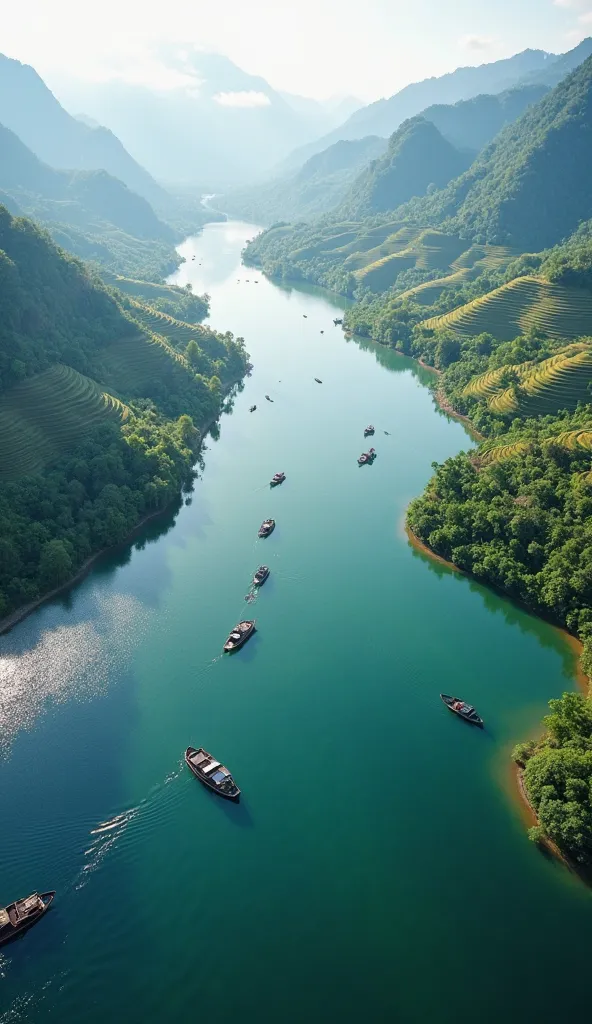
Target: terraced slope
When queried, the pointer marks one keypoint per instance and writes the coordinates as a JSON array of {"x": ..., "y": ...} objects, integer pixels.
[
  {"x": 44, "y": 416},
  {"x": 573, "y": 440},
  {"x": 488, "y": 385},
  {"x": 516, "y": 307},
  {"x": 134, "y": 363},
  {"x": 557, "y": 383},
  {"x": 176, "y": 332},
  {"x": 466, "y": 267}
]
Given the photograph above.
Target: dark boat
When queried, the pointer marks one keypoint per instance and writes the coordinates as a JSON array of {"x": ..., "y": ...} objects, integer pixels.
[
  {"x": 305, "y": 315},
  {"x": 269, "y": 399},
  {"x": 318, "y": 381},
  {"x": 367, "y": 457},
  {"x": 462, "y": 709},
  {"x": 322, "y": 332},
  {"x": 261, "y": 575},
  {"x": 213, "y": 774},
  {"x": 277, "y": 478},
  {"x": 267, "y": 527},
  {"x": 337, "y": 322},
  {"x": 368, "y": 430},
  {"x": 239, "y": 635},
  {"x": 22, "y": 914}
]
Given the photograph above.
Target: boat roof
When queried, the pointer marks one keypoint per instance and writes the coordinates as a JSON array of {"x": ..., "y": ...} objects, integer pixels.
[{"x": 210, "y": 767}]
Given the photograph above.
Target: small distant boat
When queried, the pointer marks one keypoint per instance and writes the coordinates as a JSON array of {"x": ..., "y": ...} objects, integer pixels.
[
  {"x": 255, "y": 282},
  {"x": 267, "y": 527},
  {"x": 367, "y": 457},
  {"x": 318, "y": 381},
  {"x": 368, "y": 430},
  {"x": 305, "y": 315},
  {"x": 337, "y": 322},
  {"x": 277, "y": 478},
  {"x": 22, "y": 914},
  {"x": 322, "y": 332},
  {"x": 213, "y": 774},
  {"x": 269, "y": 399},
  {"x": 464, "y": 710},
  {"x": 239, "y": 635},
  {"x": 261, "y": 575},
  {"x": 387, "y": 433},
  {"x": 193, "y": 257},
  {"x": 252, "y": 408}
]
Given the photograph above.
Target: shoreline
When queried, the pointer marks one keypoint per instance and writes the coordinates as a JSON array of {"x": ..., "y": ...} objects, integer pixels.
[
  {"x": 11, "y": 620},
  {"x": 582, "y": 681}
]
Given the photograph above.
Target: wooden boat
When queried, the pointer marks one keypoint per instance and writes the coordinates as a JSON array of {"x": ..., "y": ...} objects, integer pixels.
[
  {"x": 267, "y": 527},
  {"x": 368, "y": 430},
  {"x": 252, "y": 409},
  {"x": 261, "y": 575},
  {"x": 367, "y": 457},
  {"x": 269, "y": 399},
  {"x": 337, "y": 321},
  {"x": 305, "y": 316},
  {"x": 466, "y": 711},
  {"x": 318, "y": 381},
  {"x": 239, "y": 635},
  {"x": 277, "y": 478},
  {"x": 213, "y": 774},
  {"x": 22, "y": 914}
]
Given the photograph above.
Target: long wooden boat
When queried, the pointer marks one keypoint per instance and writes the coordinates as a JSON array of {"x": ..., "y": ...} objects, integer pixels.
[
  {"x": 213, "y": 774},
  {"x": 368, "y": 430},
  {"x": 239, "y": 635},
  {"x": 267, "y": 527},
  {"x": 462, "y": 709},
  {"x": 23, "y": 914},
  {"x": 367, "y": 458},
  {"x": 277, "y": 478}
]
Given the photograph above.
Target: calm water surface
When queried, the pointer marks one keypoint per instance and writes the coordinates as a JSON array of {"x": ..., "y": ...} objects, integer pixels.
[{"x": 377, "y": 868}]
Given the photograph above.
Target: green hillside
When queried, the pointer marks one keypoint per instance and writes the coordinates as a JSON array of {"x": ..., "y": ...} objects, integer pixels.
[
  {"x": 530, "y": 188},
  {"x": 45, "y": 416},
  {"x": 100, "y": 417},
  {"x": 516, "y": 307},
  {"x": 417, "y": 156}
]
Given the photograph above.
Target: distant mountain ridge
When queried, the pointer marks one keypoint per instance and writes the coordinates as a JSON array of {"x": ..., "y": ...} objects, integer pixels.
[
  {"x": 383, "y": 117},
  {"x": 30, "y": 110}
]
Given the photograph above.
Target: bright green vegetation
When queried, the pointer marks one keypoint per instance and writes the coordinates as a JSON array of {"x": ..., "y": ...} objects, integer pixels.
[
  {"x": 418, "y": 156},
  {"x": 46, "y": 415},
  {"x": 558, "y": 776},
  {"x": 523, "y": 304},
  {"x": 100, "y": 415}
]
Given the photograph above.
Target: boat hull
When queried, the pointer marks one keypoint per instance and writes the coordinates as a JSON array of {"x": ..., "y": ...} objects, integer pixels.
[
  {"x": 236, "y": 646},
  {"x": 48, "y": 898},
  {"x": 478, "y": 721},
  {"x": 233, "y": 797}
]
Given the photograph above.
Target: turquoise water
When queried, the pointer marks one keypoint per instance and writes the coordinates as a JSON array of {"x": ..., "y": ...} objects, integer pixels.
[{"x": 377, "y": 868}]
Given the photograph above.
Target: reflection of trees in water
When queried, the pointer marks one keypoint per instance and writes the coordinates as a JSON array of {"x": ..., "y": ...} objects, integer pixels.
[{"x": 548, "y": 635}]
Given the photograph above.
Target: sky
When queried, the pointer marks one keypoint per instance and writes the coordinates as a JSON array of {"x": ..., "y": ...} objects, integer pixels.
[{"x": 316, "y": 48}]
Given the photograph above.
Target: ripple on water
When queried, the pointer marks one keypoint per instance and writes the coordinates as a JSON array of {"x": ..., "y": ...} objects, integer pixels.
[{"x": 66, "y": 662}]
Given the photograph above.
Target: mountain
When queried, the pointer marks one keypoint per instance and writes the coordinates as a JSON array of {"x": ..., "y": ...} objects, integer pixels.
[
  {"x": 384, "y": 116},
  {"x": 221, "y": 126},
  {"x": 471, "y": 124},
  {"x": 78, "y": 197},
  {"x": 553, "y": 72},
  {"x": 317, "y": 187},
  {"x": 417, "y": 156},
  {"x": 531, "y": 187},
  {"x": 30, "y": 110}
]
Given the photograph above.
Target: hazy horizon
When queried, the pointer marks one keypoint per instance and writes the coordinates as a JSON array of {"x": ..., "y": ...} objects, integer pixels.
[{"x": 329, "y": 49}]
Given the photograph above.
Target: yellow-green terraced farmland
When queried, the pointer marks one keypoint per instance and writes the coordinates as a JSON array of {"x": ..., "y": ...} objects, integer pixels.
[
  {"x": 575, "y": 439},
  {"x": 44, "y": 416},
  {"x": 557, "y": 383},
  {"x": 488, "y": 383},
  {"x": 397, "y": 242},
  {"x": 516, "y": 307},
  {"x": 502, "y": 451}
]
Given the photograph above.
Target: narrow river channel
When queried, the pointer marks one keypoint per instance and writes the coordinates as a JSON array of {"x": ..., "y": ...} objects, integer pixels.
[{"x": 377, "y": 868}]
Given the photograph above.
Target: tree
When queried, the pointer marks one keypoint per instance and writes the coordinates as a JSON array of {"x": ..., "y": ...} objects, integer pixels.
[{"x": 55, "y": 565}]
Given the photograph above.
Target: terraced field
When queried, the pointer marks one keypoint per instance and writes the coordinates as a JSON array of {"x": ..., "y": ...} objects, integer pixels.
[
  {"x": 487, "y": 385},
  {"x": 133, "y": 363},
  {"x": 44, "y": 416},
  {"x": 557, "y": 383},
  {"x": 526, "y": 302},
  {"x": 466, "y": 267},
  {"x": 574, "y": 440},
  {"x": 176, "y": 332}
]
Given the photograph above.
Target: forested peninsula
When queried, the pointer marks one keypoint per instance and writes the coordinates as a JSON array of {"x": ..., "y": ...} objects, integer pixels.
[
  {"x": 488, "y": 278},
  {"x": 103, "y": 403}
]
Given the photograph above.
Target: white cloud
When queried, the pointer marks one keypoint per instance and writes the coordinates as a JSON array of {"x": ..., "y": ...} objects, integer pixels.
[
  {"x": 474, "y": 42},
  {"x": 248, "y": 98}
]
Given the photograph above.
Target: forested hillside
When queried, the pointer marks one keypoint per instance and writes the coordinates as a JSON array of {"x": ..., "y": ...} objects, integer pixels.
[
  {"x": 417, "y": 157},
  {"x": 101, "y": 406}
]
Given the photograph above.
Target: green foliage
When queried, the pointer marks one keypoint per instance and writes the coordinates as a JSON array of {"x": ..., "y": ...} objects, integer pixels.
[{"x": 177, "y": 302}]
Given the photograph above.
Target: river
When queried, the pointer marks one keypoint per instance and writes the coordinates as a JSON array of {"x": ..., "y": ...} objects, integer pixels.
[{"x": 377, "y": 868}]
